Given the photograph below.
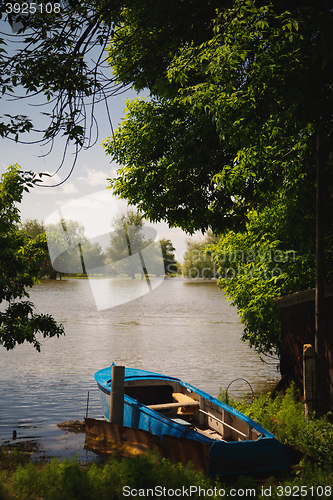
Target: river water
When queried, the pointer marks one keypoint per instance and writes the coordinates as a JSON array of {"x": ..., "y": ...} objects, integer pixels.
[{"x": 181, "y": 328}]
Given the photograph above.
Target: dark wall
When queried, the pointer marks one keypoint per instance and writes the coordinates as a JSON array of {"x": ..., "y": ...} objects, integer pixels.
[{"x": 298, "y": 328}]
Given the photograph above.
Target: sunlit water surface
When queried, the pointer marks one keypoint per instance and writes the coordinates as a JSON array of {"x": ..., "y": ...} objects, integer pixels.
[{"x": 182, "y": 328}]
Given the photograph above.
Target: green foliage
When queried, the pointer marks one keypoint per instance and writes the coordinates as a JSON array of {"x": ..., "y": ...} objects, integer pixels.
[
  {"x": 32, "y": 227},
  {"x": 67, "y": 480},
  {"x": 168, "y": 158},
  {"x": 170, "y": 265},
  {"x": 132, "y": 247},
  {"x": 140, "y": 475},
  {"x": 153, "y": 32},
  {"x": 284, "y": 417},
  {"x": 19, "y": 265},
  {"x": 4, "y": 495},
  {"x": 198, "y": 258},
  {"x": 93, "y": 256},
  {"x": 58, "y": 480},
  {"x": 258, "y": 76},
  {"x": 228, "y": 141},
  {"x": 266, "y": 102},
  {"x": 127, "y": 238},
  {"x": 36, "y": 231},
  {"x": 71, "y": 250},
  {"x": 271, "y": 258}
]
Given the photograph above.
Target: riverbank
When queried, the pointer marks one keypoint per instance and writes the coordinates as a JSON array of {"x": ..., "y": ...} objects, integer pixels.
[
  {"x": 118, "y": 478},
  {"x": 147, "y": 475}
]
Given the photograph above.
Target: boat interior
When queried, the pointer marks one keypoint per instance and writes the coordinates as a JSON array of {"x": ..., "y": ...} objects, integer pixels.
[{"x": 177, "y": 402}]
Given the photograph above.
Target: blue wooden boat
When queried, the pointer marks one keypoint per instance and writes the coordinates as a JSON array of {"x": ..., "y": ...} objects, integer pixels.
[{"x": 171, "y": 409}]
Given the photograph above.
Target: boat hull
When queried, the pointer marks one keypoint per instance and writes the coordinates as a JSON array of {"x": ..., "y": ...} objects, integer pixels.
[{"x": 265, "y": 454}]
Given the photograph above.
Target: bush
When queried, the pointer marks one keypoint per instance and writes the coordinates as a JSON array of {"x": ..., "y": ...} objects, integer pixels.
[{"x": 285, "y": 418}]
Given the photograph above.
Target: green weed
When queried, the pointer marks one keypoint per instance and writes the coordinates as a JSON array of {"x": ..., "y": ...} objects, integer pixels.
[
  {"x": 67, "y": 480},
  {"x": 284, "y": 417}
]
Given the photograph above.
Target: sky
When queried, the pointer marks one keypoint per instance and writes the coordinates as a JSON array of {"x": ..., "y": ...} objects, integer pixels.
[{"x": 86, "y": 187}]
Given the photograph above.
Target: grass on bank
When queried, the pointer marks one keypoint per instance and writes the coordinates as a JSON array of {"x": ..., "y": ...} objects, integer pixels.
[
  {"x": 67, "y": 480},
  {"x": 284, "y": 416}
]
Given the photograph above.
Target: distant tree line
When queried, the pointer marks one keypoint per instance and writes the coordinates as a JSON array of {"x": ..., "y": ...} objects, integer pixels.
[{"x": 77, "y": 254}]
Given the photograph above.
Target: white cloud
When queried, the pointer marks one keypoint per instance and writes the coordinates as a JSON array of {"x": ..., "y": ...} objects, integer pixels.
[
  {"x": 95, "y": 211},
  {"x": 66, "y": 188},
  {"x": 60, "y": 203},
  {"x": 85, "y": 203},
  {"x": 69, "y": 189},
  {"x": 94, "y": 177}
]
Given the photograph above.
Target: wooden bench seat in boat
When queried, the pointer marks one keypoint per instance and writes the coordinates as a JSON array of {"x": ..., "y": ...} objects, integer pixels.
[
  {"x": 184, "y": 403},
  {"x": 187, "y": 408}
]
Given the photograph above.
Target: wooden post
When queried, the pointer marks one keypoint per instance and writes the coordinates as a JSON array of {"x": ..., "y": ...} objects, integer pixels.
[
  {"x": 309, "y": 378},
  {"x": 117, "y": 395},
  {"x": 87, "y": 405}
]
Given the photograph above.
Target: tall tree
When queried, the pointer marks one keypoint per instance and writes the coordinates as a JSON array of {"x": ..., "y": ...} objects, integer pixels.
[
  {"x": 93, "y": 256},
  {"x": 168, "y": 252},
  {"x": 32, "y": 227},
  {"x": 128, "y": 239},
  {"x": 19, "y": 265},
  {"x": 71, "y": 250},
  {"x": 198, "y": 258},
  {"x": 262, "y": 77},
  {"x": 259, "y": 84},
  {"x": 272, "y": 99}
]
